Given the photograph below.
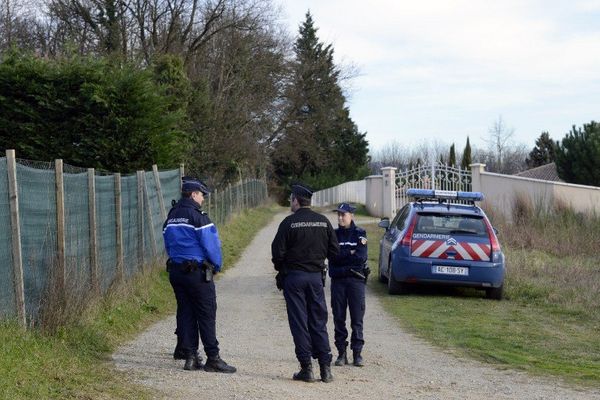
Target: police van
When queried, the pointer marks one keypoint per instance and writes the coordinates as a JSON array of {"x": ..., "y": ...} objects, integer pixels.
[{"x": 441, "y": 238}]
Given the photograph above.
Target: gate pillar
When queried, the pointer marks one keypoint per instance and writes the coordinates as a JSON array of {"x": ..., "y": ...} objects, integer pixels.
[{"x": 389, "y": 192}]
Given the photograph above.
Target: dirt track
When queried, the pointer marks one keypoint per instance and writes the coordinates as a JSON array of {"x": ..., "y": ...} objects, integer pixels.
[{"x": 254, "y": 336}]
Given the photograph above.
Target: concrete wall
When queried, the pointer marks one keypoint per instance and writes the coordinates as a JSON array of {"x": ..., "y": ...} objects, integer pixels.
[
  {"x": 374, "y": 195},
  {"x": 349, "y": 192},
  {"x": 501, "y": 190}
]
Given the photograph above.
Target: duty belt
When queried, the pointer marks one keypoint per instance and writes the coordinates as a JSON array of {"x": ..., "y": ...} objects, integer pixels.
[
  {"x": 192, "y": 265},
  {"x": 186, "y": 266}
]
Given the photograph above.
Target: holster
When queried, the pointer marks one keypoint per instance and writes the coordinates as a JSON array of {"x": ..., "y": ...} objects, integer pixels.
[{"x": 209, "y": 271}]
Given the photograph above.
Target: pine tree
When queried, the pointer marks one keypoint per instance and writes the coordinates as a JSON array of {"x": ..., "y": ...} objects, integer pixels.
[
  {"x": 452, "y": 157},
  {"x": 319, "y": 143},
  {"x": 578, "y": 155},
  {"x": 543, "y": 152},
  {"x": 466, "y": 157}
]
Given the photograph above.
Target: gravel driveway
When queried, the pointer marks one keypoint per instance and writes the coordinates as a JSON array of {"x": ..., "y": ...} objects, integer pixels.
[{"x": 254, "y": 336}]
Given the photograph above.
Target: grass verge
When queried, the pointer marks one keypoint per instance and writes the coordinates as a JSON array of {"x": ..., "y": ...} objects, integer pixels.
[
  {"x": 548, "y": 325},
  {"x": 72, "y": 363}
]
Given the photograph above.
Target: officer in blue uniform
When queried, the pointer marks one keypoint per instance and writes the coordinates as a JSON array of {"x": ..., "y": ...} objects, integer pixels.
[
  {"x": 194, "y": 250},
  {"x": 302, "y": 243},
  {"x": 349, "y": 272}
]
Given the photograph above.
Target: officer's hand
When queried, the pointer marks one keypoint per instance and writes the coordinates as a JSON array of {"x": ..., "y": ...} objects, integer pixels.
[{"x": 279, "y": 280}]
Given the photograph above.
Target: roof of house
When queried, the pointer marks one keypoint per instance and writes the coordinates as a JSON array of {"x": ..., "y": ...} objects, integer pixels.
[{"x": 544, "y": 172}]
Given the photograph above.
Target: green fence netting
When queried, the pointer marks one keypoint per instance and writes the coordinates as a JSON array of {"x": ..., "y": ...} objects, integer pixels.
[
  {"x": 141, "y": 227},
  {"x": 106, "y": 230},
  {"x": 129, "y": 217},
  {"x": 37, "y": 214},
  {"x": 77, "y": 228},
  {"x": 170, "y": 185},
  {"x": 7, "y": 288}
]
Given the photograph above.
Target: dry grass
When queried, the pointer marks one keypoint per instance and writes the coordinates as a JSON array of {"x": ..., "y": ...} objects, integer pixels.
[{"x": 552, "y": 256}]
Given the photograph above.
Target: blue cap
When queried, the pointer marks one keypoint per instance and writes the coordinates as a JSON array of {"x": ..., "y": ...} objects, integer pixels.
[
  {"x": 302, "y": 190},
  {"x": 190, "y": 184},
  {"x": 345, "y": 208}
]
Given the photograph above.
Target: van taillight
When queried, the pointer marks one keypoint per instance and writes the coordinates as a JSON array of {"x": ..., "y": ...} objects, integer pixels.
[{"x": 407, "y": 239}]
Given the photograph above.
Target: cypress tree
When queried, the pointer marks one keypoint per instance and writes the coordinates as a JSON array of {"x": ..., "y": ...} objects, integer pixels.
[
  {"x": 466, "y": 157},
  {"x": 452, "y": 157},
  {"x": 543, "y": 152}
]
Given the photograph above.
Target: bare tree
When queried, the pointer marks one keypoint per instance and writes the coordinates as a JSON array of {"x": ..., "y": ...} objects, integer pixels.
[
  {"x": 397, "y": 155},
  {"x": 99, "y": 27},
  {"x": 17, "y": 24},
  {"x": 514, "y": 159},
  {"x": 499, "y": 140}
]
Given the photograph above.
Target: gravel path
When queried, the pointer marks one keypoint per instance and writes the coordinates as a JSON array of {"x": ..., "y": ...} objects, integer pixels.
[{"x": 254, "y": 336}]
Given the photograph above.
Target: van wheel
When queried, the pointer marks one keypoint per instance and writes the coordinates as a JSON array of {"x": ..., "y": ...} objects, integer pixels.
[
  {"x": 495, "y": 293},
  {"x": 395, "y": 287}
]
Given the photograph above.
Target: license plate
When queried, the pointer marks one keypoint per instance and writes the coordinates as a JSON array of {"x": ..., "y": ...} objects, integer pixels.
[{"x": 447, "y": 270}]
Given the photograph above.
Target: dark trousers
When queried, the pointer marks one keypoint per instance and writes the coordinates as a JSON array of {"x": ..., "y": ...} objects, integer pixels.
[
  {"x": 307, "y": 315},
  {"x": 196, "y": 311},
  {"x": 348, "y": 293}
]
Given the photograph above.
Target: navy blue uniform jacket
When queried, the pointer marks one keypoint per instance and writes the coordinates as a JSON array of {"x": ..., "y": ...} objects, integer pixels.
[
  {"x": 303, "y": 241},
  {"x": 190, "y": 235},
  {"x": 351, "y": 238}
]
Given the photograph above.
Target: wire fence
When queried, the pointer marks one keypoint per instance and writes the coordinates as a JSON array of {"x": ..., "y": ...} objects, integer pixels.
[{"x": 69, "y": 229}]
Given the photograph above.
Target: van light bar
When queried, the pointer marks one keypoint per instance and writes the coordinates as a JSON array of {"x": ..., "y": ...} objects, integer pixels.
[{"x": 444, "y": 194}]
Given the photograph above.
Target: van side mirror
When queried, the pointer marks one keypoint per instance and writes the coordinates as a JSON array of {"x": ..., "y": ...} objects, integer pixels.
[
  {"x": 495, "y": 230},
  {"x": 384, "y": 223}
]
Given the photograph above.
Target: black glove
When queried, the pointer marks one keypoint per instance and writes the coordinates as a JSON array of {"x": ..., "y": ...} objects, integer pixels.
[
  {"x": 279, "y": 278},
  {"x": 366, "y": 272}
]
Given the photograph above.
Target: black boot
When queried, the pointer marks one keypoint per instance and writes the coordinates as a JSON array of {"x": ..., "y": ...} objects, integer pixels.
[
  {"x": 358, "y": 360},
  {"x": 342, "y": 359},
  {"x": 216, "y": 364},
  {"x": 193, "y": 362},
  {"x": 305, "y": 374},
  {"x": 179, "y": 354},
  {"x": 326, "y": 373}
]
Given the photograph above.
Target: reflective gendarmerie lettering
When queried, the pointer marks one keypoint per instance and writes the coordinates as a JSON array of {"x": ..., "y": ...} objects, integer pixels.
[
  {"x": 310, "y": 224},
  {"x": 178, "y": 221},
  {"x": 430, "y": 236}
]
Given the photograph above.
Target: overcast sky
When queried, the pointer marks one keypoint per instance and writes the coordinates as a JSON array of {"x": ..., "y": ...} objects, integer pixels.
[{"x": 445, "y": 69}]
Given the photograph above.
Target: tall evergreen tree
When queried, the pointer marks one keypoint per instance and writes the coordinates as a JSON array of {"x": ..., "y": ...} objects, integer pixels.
[
  {"x": 578, "y": 155},
  {"x": 466, "y": 157},
  {"x": 318, "y": 141},
  {"x": 543, "y": 152},
  {"x": 452, "y": 157}
]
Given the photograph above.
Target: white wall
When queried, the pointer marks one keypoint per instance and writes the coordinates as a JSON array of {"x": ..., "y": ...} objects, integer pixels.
[
  {"x": 501, "y": 190},
  {"x": 349, "y": 192}
]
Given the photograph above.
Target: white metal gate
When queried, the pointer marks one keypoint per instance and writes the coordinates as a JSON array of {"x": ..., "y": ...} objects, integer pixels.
[{"x": 435, "y": 176}]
